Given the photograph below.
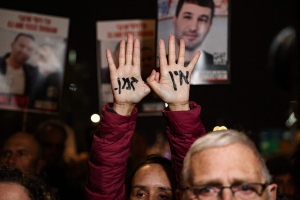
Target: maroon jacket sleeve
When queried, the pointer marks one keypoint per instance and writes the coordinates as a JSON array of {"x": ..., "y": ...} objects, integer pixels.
[
  {"x": 183, "y": 128},
  {"x": 108, "y": 156}
]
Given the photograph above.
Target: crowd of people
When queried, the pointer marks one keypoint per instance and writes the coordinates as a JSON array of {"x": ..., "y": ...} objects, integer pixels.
[{"x": 223, "y": 164}]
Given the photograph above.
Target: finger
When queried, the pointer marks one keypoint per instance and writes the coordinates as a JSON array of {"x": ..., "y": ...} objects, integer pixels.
[
  {"x": 122, "y": 53},
  {"x": 151, "y": 76},
  {"x": 110, "y": 61},
  {"x": 162, "y": 54},
  {"x": 156, "y": 76},
  {"x": 181, "y": 53},
  {"x": 152, "y": 82},
  {"x": 136, "y": 53},
  {"x": 129, "y": 50},
  {"x": 172, "y": 54},
  {"x": 194, "y": 60}
]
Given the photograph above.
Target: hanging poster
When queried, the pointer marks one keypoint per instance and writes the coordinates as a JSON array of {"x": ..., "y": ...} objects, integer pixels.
[
  {"x": 203, "y": 25},
  {"x": 32, "y": 53},
  {"x": 109, "y": 35}
]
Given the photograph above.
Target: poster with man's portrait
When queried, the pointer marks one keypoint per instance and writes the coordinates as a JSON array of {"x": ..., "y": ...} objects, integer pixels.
[
  {"x": 109, "y": 35},
  {"x": 32, "y": 53},
  {"x": 203, "y": 25}
]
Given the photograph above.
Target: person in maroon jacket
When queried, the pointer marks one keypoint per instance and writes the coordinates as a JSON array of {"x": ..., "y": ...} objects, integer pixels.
[{"x": 111, "y": 143}]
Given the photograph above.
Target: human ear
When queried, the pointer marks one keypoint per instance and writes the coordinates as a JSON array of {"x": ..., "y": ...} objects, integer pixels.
[{"x": 272, "y": 191}]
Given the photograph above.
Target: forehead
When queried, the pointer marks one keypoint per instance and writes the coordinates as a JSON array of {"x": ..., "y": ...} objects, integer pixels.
[
  {"x": 195, "y": 9},
  {"x": 20, "y": 141},
  {"x": 151, "y": 175},
  {"x": 235, "y": 162}
]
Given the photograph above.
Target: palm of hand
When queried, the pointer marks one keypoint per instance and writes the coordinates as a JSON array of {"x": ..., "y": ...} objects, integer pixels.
[
  {"x": 173, "y": 87},
  {"x": 172, "y": 83},
  {"x": 128, "y": 86}
]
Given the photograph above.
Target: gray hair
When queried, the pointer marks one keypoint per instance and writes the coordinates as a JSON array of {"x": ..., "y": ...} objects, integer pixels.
[{"x": 220, "y": 139}]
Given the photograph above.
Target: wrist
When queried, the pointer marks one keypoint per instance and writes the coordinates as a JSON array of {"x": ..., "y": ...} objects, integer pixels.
[
  {"x": 124, "y": 109},
  {"x": 179, "y": 106}
]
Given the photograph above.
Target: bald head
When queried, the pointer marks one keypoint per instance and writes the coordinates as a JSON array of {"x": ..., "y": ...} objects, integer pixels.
[{"x": 22, "y": 151}]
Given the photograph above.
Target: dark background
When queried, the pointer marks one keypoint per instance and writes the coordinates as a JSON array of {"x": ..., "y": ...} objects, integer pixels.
[{"x": 252, "y": 102}]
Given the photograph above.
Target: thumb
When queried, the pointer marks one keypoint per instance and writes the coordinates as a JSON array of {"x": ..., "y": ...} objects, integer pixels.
[{"x": 153, "y": 80}]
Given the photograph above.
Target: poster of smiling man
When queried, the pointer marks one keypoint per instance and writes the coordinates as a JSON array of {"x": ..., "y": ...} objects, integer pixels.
[
  {"x": 203, "y": 25},
  {"x": 32, "y": 53}
]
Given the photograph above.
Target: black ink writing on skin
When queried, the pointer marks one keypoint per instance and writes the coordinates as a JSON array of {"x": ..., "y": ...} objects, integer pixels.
[
  {"x": 173, "y": 81},
  {"x": 119, "y": 83},
  {"x": 127, "y": 82},
  {"x": 185, "y": 78},
  {"x": 133, "y": 80},
  {"x": 181, "y": 78}
]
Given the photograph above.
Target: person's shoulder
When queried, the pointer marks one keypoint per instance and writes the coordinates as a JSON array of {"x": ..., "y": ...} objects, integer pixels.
[
  {"x": 3, "y": 63},
  {"x": 209, "y": 58},
  {"x": 209, "y": 55},
  {"x": 31, "y": 71},
  {"x": 30, "y": 68},
  {"x": 27, "y": 65}
]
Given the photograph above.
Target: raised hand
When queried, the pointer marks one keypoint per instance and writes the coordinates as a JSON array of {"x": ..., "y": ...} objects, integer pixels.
[
  {"x": 172, "y": 83},
  {"x": 127, "y": 85}
]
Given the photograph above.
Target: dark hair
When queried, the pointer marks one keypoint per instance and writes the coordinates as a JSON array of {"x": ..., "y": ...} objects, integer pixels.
[
  {"x": 36, "y": 187},
  {"x": 154, "y": 159},
  {"x": 204, "y": 3},
  {"x": 25, "y": 35}
]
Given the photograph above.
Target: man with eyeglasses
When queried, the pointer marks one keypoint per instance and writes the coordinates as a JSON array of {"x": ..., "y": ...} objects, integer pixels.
[{"x": 225, "y": 165}]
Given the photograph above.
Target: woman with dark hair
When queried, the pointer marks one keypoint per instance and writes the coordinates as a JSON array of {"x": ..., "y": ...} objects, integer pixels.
[
  {"x": 134, "y": 188},
  {"x": 111, "y": 143},
  {"x": 15, "y": 184}
]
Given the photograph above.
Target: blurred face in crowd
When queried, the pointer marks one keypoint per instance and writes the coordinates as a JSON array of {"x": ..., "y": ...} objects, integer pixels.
[
  {"x": 53, "y": 145},
  {"x": 192, "y": 25},
  {"x": 234, "y": 165},
  {"x": 151, "y": 182},
  {"x": 21, "y": 151},
  {"x": 22, "y": 49},
  {"x": 13, "y": 191}
]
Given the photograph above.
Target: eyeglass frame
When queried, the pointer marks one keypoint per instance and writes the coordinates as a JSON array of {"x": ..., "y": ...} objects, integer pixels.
[{"x": 263, "y": 185}]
